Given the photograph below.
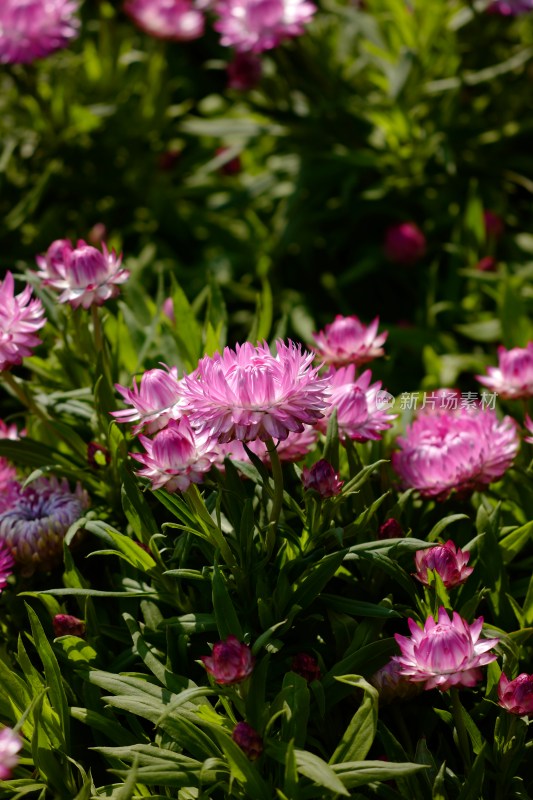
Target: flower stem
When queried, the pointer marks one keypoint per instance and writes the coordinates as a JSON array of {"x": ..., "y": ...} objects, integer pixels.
[
  {"x": 97, "y": 329},
  {"x": 197, "y": 503},
  {"x": 462, "y": 736},
  {"x": 277, "y": 475}
]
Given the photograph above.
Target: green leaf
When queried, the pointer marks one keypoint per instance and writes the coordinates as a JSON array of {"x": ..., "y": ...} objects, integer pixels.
[
  {"x": 360, "y": 733},
  {"x": 319, "y": 772},
  {"x": 296, "y": 701},
  {"x": 225, "y": 614}
]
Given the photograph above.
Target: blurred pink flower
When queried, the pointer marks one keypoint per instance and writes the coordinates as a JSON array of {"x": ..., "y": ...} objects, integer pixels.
[
  {"x": 67, "y": 625},
  {"x": 494, "y": 225},
  {"x": 10, "y": 745},
  {"x": 7, "y": 562},
  {"x": 512, "y": 379},
  {"x": 405, "y": 243},
  {"x": 510, "y": 8},
  {"x": 306, "y": 665},
  {"x": 528, "y": 422},
  {"x": 392, "y": 685},
  {"x": 232, "y": 166},
  {"x": 10, "y": 431},
  {"x": 322, "y": 478},
  {"x": 20, "y": 318},
  {"x": 155, "y": 401},
  {"x": 176, "y": 457},
  {"x": 84, "y": 275},
  {"x": 168, "y": 310},
  {"x": 31, "y": 29},
  {"x": 175, "y": 20},
  {"x": 516, "y": 696},
  {"x": 37, "y": 520},
  {"x": 446, "y": 560},
  {"x": 257, "y": 25},
  {"x": 347, "y": 341},
  {"x": 248, "y": 393},
  {"x": 244, "y": 72},
  {"x": 463, "y": 450},
  {"x": 248, "y": 740},
  {"x": 445, "y": 653},
  {"x": 487, "y": 264},
  {"x": 358, "y": 416},
  {"x": 230, "y": 662}
]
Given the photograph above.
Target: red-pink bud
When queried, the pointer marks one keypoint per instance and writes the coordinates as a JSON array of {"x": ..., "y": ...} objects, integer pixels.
[
  {"x": 405, "y": 243},
  {"x": 322, "y": 478},
  {"x": 230, "y": 662},
  {"x": 391, "y": 529},
  {"x": 244, "y": 72},
  {"x": 67, "y": 625},
  {"x": 248, "y": 740},
  {"x": 494, "y": 225},
  {"x": 447, "y": 560},
  {"x": 306, "y": 666},
  {"x": 487, "y": 264},
  {"x": 516, "y": 696}
]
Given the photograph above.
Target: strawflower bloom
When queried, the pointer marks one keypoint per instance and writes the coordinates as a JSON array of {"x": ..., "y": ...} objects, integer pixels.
[
  {"x": 244, "y": 72},
  {"x": 10, "y": 745},
  {"x": 347, "y": 341},
  {"x": 230, "y": 662},
  {"x": 155, "y": 401},
  {"x": 248, "y": 393},
  {"x": 306, "y": 666},
  {"x": 174, "y": 20},
  {"x": 359, "y": 415},
  {"x": 248, "y": 740},
  {"x": 405, "y": 243},
  {"x": 84, "y": 275},
  {"x": 392, "y": 685},
  {"x": 257, "y": 25},
  {"x": 445, "y": 653},
  {"x": 35, "y": 524},
  {"x": 31, "y": 29},
  {"x": 510, "y": 8},
  {"x": 7, "y": 562},
  {"x": 176, "y": 457},
  {"x": 322, "y": 478},
  {"x": 67, "y": 625},
  {"x": 20, "y": 318},
  {"x": 446, "y": 560},
  {"x": 461, "y": 451},
  {"x": 512, "y": 379},
  {"x": 516, "y": 696}
]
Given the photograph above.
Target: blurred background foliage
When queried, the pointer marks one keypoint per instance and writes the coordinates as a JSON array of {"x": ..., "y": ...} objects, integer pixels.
[{"x": 378, "y": 115}]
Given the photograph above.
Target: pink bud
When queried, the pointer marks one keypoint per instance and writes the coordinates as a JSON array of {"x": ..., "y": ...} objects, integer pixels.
[
  {"x": 67, "y": 625},
  {"x": 231, "y": 661},
  {"x": 168, "y": 310},
  {"x": 494, "y": 225},
  {"x": 322, "y": 478},
  {"x": 391, "y": 529},
  {"x": 516, "y": 696},
  {"x": 405, "y": 243},
  {"x": 487, "y": 264},
  {"x": 447, "y": 561},
  {"x": 248, "y": 740},
  {"x": 306, "y": 666},
  {"x": 244, "y": 72}
]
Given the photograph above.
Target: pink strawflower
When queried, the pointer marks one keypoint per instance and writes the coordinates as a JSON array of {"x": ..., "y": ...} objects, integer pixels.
[
  {"x": 461, "y": 451},
  {"x": 446, "y": 560},
  {"x": 322, "y": 478},
  {"x": 244, "y": 72},
  {"x": 510, "y": 8},
  {"x": 10, "y": 431},
  {"x": 390, "y": 529},
  {"x": 230, "y": 662},
  {"x": 516, "y": 696},
  {"x": 67, "y": 625},
  {"x": 248, "y": 393},
  {"x": 155, "y": 401},
  {"x": 175, "y": 20},
  {"x": 20, "y": 318},
  {"x": 84, "y": 275},
  {"x": 306, "y": 666},
  {"x": 392, "y": 685},
  {"x": 35, "y": 524},
  {"x": 7, "y": 562},
  {"x": 512, "y": 379},
  {"x": 445, "y": 653},
  {"x": 10, "y": 745},
  {"x": 248, "y": 740},
  {"x": 176, "y": 457},
  {"x": 257, "y": 25},
  {"x": 347, "y": 341},
  {"x": 9, "y": 486},
  {"x": 359, "y": 417},
  {"x": 528, "y": 422},
  {"x": 494, "y": 225},
  {"x": 405, "y": 243},
  {"x": 31, "y": 29}
]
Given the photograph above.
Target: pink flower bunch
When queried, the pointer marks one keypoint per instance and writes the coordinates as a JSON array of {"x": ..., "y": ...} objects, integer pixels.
[
  {"x": 248, "y": 393},
  {"x": 257, "y": 25},
  {"x": 461, "y": 451},
  {"x": 175, "y": 20},
  {"x": 359, "y": 416},
  {"x": 510, "y": 8},
  {"x": 7, "y": 562},
  {"x": 83, "y": 275},
  {"x": 347, "y": 341},
  {"x": 405, "y": 243},
  {"x": 445, "y": 653},
  {"x": 230, "y": 662},
  {"x": 322, "y": 478},
  {"x": 447, "y": 560},
  {"x": 516, "y": 696},
  {"x": 512, "y": 379},
  {"x": 177, "y": 456},
  {"x": 10, "y": 746},
  {"x": 31, "y": 29},
  {"x": 154, "y": 402},
  {"x": 20, "y": 318}
]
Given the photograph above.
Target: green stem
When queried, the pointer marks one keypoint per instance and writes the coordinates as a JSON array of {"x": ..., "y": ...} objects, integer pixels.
[
  {"x": 462, "y": 736},
  {"x": 25, "y": 397},
  {"x": 277, "y": 475},
  {"x": 97, "y": 329},
  {"x": 197, "y": 503}
]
